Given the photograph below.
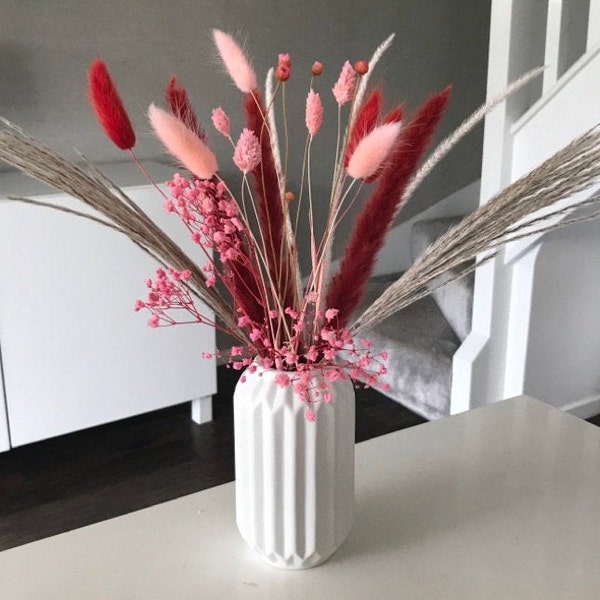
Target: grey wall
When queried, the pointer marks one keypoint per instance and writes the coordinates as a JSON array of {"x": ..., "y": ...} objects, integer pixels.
[{"x": 45, "y": 47}]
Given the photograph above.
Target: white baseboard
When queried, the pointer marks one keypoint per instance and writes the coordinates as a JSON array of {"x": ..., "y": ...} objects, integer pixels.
[{"x": 584, "y": 408}]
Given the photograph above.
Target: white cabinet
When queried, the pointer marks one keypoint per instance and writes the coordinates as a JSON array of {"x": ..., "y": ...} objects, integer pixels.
[
  {"x": 4, "y": 439},
  {"x": 74, "y": 352}
]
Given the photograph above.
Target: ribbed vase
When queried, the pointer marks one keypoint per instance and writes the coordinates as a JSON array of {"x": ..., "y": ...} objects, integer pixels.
[{"x": 294, "y": 478}]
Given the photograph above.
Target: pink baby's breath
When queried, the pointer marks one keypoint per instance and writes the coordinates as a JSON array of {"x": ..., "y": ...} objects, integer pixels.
[
  {"x": 282, "y": 379},
  {"x": 331, "y": 313}
]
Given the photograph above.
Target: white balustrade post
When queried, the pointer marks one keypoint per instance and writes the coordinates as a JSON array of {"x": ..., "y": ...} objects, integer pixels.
[
  {"x": 593, "y": 35},
  {"x": 552, "y": 53}
]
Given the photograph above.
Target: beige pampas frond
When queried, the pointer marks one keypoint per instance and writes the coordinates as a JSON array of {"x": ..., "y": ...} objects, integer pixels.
[
  {"x": 506, "y": 217},
  {"x": 464, "y": 128},
  {"x": 364, "y": 80},
  {"x": 119, "y": 211}
]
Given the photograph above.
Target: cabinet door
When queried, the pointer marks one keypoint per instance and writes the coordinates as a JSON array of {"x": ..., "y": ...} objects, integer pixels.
[{"x": 75, "y": 354}]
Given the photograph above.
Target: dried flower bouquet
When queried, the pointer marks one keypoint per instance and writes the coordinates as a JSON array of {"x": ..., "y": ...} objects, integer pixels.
[{"x": 281, "y": 320}]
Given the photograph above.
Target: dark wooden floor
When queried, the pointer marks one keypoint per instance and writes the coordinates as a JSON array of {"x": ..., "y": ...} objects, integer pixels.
[{"x": 81, "y": 478}]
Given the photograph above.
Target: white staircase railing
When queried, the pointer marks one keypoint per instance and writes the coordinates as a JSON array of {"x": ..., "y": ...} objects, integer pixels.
[{"x": 511, "y": 349}]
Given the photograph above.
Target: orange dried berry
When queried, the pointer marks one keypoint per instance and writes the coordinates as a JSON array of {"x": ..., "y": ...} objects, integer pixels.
[
  {"x": 317, "y": 68},
  {"x": 289, "y": 197},
  {"x": 361, "y": 67}
]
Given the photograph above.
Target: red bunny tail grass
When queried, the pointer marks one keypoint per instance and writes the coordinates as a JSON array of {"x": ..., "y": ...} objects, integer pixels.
[
  {"x": 245, "y": 288},
  {"x": 395, "y": 115},
  {"x": 366, "y": 119},
  {"x": 180, "y": 107},
  {"x": 378, "y": 213},
  {"x": 269, "y": 201},
  {"x": 108, "y": 106}
]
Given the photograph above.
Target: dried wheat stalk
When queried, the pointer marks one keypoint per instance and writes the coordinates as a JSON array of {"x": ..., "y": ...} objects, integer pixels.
[{"x": 502, "y": 219}]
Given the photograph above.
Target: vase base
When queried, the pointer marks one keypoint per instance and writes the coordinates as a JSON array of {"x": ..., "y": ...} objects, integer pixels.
[{"x": 292, "y": 563}]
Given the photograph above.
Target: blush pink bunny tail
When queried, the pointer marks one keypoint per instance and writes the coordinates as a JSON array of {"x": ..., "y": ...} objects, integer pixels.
[
  {"x": 183, "y": 143},
  {"x": 235, "y": 61},
  {"x": 372, "y": 150}
]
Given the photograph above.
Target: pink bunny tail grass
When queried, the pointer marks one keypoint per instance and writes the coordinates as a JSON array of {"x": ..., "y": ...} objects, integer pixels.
[
  {"x": 344, "y": 87},
  {"x": 183, "y": 143},
  {"x": 378, "y": 213},
  {"x": 314, "y": 113},
  {"x": 108, "y": 106},
  {"x": 235, "y": 61},
  {"x": 393, "y": 116},
  {"x": 269, "y": 202},
  {"x": 372, "y": 150},
  {"x": 180, "y": 107},
  {"x": 366, "y": 119},
  {"x": 247, "y": 151}
]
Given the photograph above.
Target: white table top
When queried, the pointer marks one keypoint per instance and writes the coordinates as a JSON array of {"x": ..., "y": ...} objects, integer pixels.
[{"x": 502, "y": 502}]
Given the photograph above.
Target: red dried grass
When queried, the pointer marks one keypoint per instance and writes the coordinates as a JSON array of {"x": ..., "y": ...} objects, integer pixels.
[
  {"x": 376, "y": 218},
  {"x": 179, "y": 104},
  {"x": 366, "y": 119},
  {"x": 269, "y": 202},
  {"x": 395, "y": 115},
  {"x": 108, "y": 106}
]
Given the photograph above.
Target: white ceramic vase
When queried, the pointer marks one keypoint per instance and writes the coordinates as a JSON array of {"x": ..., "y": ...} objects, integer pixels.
[{"x": 294, "y": 478}]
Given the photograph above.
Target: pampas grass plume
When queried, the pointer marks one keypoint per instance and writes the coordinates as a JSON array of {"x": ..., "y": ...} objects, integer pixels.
[
  {"x": 183, "y": 143},
  {"x": 235, "y": 61},
  {"x": 372, "y": 150}
]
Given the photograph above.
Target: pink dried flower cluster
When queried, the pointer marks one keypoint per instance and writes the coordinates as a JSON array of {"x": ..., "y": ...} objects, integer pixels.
[
  {"x": 250, "y": 244},
  {"x": 333, "y": 352},
  {"x": 168, "y": 293},
  {"x": 211, "y": 215}
]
